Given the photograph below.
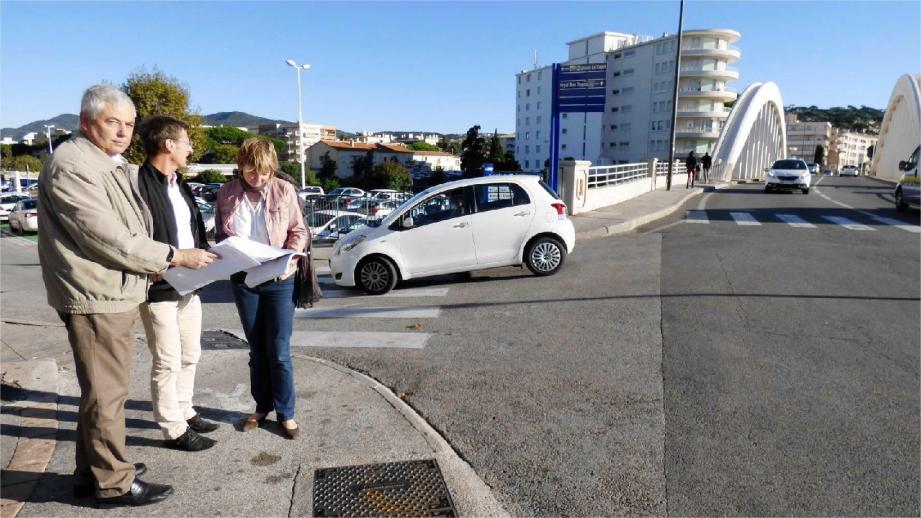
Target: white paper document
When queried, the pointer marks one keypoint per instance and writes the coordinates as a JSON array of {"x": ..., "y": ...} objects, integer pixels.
[{"x": 261, "y": 262}]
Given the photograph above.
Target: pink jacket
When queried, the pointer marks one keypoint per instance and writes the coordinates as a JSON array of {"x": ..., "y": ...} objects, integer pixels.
[{"x": 283, "y": 218}]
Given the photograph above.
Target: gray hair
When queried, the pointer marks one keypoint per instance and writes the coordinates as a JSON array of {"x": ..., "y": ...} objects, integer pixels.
[{"x": 97, "y": 96}]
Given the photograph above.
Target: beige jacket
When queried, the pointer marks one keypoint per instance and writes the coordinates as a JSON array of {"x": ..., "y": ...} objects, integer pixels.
[{"x": 94, "y": 242}]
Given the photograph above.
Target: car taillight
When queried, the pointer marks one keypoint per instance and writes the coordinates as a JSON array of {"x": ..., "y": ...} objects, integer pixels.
[
  {"x": 560, "y": 210},
  {"x": 33, "y": 213}
]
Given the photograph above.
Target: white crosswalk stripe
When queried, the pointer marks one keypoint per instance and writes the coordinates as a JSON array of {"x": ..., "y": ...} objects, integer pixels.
[
  {"x": 697, "y": 216},
  {"x": 359, "y": 339},
  {"x": 795, "y": 221},
  {"x": 847, "y": 223},
  {"x": 744, "y": 218},
  {"x": 896, "y": 223}
]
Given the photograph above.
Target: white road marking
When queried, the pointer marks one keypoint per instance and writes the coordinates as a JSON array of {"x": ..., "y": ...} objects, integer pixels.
[
  {"x": 359, "y": 339},
  {"x": 370, "y": 312},
  {"x": 896, "y": 223},
  {"x": 323, "y": 270},
  {"x": 795, "y": 221},
  {"x": 331, "y": 291},
  {"x": 847, "y": 223},
  {"x": 744, "y": 218},
  {"x": 836, "y": 202},
  {"x": 697, "y": 216}
]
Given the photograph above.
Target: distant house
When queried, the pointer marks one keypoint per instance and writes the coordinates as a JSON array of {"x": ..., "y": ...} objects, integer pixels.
[
  {"x": 429, "y": 161},
  {"x": 345, "y": 154}
]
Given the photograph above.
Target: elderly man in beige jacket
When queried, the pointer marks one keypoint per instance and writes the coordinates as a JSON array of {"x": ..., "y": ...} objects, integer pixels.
[{"x": 96, "y": 252}]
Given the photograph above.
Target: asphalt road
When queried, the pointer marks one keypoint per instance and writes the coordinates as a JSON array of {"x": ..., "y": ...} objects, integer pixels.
[
  {"x": 791, "y": 355},
  {"x": 688, "y": 369}
]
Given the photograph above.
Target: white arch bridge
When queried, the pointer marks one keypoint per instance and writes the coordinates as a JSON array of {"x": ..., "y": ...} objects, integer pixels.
[{"x": 754, "y": 136}]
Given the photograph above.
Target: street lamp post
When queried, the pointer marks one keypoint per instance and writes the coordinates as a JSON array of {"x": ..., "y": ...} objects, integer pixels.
[
  {"x": 48, "y": 135},
  {"x": 300, "y": 120}
]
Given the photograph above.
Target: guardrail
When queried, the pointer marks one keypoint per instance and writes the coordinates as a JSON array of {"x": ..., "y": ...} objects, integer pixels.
[{"x": 605, "y": 175}]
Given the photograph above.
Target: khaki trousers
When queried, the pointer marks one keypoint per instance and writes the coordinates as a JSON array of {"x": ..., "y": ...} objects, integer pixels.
[
  {"x": 174, "y": 337},
  {"x": 102, "y": 344}
]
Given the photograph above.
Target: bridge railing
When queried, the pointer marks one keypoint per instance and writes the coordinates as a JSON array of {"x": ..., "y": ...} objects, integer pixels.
[{"x": 585, "y": 187}]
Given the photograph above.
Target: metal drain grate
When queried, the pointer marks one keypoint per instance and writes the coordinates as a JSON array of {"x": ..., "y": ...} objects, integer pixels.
[
  {"x": 217, "y": 339},
  {"x": 414, "y": 488}
]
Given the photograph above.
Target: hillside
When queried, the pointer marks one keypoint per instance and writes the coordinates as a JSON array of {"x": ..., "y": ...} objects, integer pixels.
[
  {"x": 67, "y": 121},
  {"x": 238, "y": 119},
  {"x": 863, "y": 119}
]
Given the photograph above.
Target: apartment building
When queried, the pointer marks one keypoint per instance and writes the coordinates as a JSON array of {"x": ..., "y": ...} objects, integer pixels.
[
  {"x": 312, "y": 133},
  {"x": 803, "y": 138},
  {"x": 850, "y": 148},
  {"x": 636, "y": 122}
]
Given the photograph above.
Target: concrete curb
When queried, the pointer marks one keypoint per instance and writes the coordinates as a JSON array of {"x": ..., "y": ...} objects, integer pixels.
[
  {"x": 33, "y": 449},
  {"x": 458, "y": 474},
  {"x": 886, "y": 181},
  {"x": 627, "y": 226}
]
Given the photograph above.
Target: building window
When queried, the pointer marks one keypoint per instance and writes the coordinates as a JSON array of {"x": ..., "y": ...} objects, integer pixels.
[
  {"x": 563, "y": 146},
  {"x": 527, "y": 164},
  {"x": 653, "y": 126},
  {"x": 527, "y": 106},
  {"x": 537, "y": 148},
  {"x": 529, "y": 78},
  {"x": 614, "y": 109},
  {"x": 629, "y": 53},
  {"x": 519, "y": 79},
  {"x": 564, "y": 130},
  {"x": 537, "y": 134},
  {"x": 613, "y": 126},
  {"x": 538, "y": 75},
  {"x": 527, "y": 135},
  {"x": 616, "y": 74},
  {"x": 538, "y": 105},
  {"x": 627, "y": 126},
  {"x": 615, "y": 92},
  {"x": 538, "y": 119},
  {"x": 628, "y": 90},
  {"x": 538, "y": 90},
  {"x": 528, "y": 92},
  {"x": 618, "y": 55},
  {"x": 565, "y": 115},
  {"x": 527, "y": 149},
  {"x": 527, "y": 120},
  {"x": 627, "y": 108},
  {"x": 628, "y": 72},
  {"x": 624, "y": 144}
]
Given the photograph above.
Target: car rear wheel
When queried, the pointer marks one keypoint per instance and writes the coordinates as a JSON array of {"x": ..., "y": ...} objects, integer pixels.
[
  {"x": 768, "y": 188},
  {"x": 805, "y": 191},
  {"x": 545, "y": 256},
  {"x": 900, "y": 201},
  {"x": 376, "y": 275}
]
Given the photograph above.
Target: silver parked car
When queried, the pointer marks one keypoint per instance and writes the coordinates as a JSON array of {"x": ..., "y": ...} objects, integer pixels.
[{"x": 908, "y": 191}]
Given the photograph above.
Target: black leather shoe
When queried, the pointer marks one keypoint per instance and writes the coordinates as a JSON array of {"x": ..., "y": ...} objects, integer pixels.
[
  {"x": 191, "y": 441},
  {"x": 86, "y": 490},
  {"x": 200, "y": 425},
  {"x": 140, "y": 493}
]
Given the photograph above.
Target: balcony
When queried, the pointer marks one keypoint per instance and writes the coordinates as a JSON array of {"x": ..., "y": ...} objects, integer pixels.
[
  {"x": 726, "y": 73},
  {"x": 697, "y": 133},
  {"x": 729, "y": 53},
  {"x": 724, "y": 94},
  {"x": 697, "y": 112}
]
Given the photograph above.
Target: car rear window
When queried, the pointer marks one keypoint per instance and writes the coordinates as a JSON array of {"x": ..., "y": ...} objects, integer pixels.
[
  {"x": 789, "y": 164},
  {"x": 29, "y": 204},
  {"x": 550, "y": 191}
]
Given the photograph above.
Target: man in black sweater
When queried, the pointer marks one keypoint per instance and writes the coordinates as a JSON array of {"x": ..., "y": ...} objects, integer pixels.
[{"x": 172, "y": 321}]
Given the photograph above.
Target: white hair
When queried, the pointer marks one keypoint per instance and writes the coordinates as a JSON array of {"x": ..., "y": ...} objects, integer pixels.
[{"x": 96, "y": 97}]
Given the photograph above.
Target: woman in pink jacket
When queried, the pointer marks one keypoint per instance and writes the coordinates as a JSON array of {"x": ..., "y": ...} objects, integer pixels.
[{"x": 263, "y": 208}]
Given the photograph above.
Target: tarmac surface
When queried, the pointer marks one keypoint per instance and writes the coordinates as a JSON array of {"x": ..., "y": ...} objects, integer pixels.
[{"x": 347, "y": 419}]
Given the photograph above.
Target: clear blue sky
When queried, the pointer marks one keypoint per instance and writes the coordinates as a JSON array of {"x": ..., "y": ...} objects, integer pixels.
[{"x": 433, "y": 66}]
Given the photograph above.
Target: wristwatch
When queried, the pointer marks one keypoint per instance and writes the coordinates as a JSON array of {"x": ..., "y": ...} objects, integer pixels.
[{"x": 169, "y": 256}]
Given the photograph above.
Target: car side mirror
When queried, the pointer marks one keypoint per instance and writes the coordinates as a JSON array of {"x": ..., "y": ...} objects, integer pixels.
[
  {"x": 408, "y": 222},
  {"x": 903, "y": 165},
  {"x": 767, "y": 169}
]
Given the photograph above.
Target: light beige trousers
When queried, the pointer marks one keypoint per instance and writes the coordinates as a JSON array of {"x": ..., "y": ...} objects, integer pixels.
[{"x": 174, "y": 337}]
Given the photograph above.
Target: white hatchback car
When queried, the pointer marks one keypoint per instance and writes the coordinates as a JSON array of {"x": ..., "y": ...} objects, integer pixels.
[
  {"x": 455, "y": 227},
  {"x": 24, "y": 216},
  {"x": 849, "y": 170},
  {"x": 789, "y": 174}
]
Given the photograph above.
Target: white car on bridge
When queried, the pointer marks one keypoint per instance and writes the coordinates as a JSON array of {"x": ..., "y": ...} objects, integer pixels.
[{"x": 788, "y": 174}]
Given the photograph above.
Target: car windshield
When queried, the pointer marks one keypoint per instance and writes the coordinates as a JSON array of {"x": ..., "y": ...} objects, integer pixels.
[
  {"x": 318, "y": 219},
  {"x": 789, "y": 164}
]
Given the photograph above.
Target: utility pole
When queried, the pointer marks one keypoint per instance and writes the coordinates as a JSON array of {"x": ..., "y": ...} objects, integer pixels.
[
  {"x": 671, "y": 153},
  {"x": 48, "y": 135}
]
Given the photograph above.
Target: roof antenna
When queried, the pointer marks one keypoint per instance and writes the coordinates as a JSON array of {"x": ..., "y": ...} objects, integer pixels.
[{"x": 535, "y": 59}]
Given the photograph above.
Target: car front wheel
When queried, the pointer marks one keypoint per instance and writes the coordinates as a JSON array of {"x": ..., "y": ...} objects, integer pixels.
[
  {"x": 545, "y": 256},
  {"x": 900, "y": 201},
  {"x": 805, "y": 191},
  {"x": 376, "y": 275}
]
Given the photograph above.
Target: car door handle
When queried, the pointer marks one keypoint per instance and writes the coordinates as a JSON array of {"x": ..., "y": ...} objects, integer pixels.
[
  {"x": 523, "y": 213},
  {"x": 460, "y": 225}
]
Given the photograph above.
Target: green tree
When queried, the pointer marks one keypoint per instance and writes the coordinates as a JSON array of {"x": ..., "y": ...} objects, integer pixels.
[
  {"x": 222, "y": 154},
  {"x": 210, "y": 176},
  {"x": 448, "y": 146},
  {"x": 819, "y": 157},
  {"x": 390, "y": 175},
  {"x": 22, "y": 163},
  {"x": 473, "y": 155},
  {"x": 6, "y": 151},
  {"x": 330, "y": 184},
  {"x": 508, "y": 164},
  {"x": 495, "y": 154},
  {"x": 363, "y": 167},
  {"x": 328, "y": 168},
  {"x": 422, "y": 146},
  {"x": 155, "y": 93},
  {"x": 227, "y": 135}
]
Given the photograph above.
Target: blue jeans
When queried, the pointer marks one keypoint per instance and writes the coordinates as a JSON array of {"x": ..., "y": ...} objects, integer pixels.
[{"x": 267, "y": 315}]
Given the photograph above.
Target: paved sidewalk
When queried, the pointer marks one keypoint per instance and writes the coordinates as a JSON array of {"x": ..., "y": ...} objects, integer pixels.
[{"x": 346, "y": 417}]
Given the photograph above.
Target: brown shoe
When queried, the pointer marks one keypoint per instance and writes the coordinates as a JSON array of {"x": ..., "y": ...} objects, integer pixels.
[
  {"x": 254, "y": 421},
  {"x": 291, "y": 431}
]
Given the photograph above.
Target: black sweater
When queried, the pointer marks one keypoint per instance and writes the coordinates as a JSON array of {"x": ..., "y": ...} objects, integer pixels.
[{"x": 153, "y": 186}]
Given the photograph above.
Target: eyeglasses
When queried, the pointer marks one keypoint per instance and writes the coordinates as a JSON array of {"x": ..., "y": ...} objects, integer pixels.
[{"x": 186, "y": 142}]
